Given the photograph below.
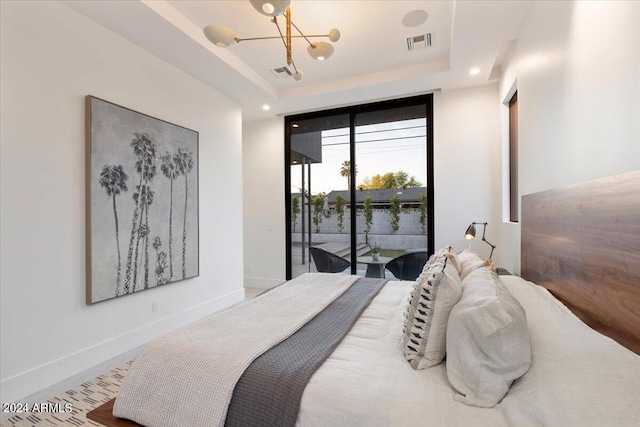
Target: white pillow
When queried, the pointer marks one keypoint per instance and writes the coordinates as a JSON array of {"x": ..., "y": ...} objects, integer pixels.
[
  {"x": 469, "y": 261},
  {"x": 488, "y": 345},
  {"x": 436, "y": 291}
]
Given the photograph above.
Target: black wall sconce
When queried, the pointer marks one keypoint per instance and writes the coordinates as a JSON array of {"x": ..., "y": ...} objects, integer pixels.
[{"x": 471, "y": 234}]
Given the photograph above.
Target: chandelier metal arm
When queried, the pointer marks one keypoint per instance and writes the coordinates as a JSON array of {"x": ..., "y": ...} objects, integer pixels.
[
  {"x": 287, "y": 46},
  {"x": 277, "y": 37},
  {"x": 284, "y": 42},
  {"x": 302, "y": 34},
  {"x": 288, "y": 16}
]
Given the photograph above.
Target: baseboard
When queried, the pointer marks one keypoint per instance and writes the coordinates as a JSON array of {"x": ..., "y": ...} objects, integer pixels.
[
  {"x": 34, "y": 380},
  {"x": 260, "y": 282}
]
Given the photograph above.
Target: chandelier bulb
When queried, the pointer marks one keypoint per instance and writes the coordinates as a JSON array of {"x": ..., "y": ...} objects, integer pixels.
[
  {"x": 297, "y": 76},
  {"x": 334, "y": 35}
]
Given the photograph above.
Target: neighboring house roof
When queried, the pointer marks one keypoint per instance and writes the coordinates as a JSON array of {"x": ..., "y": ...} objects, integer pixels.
[{"x": 379, "y": 197}]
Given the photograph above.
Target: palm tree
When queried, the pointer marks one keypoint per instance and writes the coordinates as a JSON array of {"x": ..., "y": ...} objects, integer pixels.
[
  {"x": 147, "y": 195},
  {"x": 345, "y": 170},
  {"x": 184, "y": 164},
  {"x": 145, "y": 150},
  {"x": 143, "y": 232},
  {"x": 157, "y": 243},
  {"x": 161, "y": 261},
  {"x": 148, "y": 170},
  {"x": 161, "y": 266},
  {"x": 145, "y": 235},
  {"x": 168, "y": 168},
  {"x": 114, "y": 180}
]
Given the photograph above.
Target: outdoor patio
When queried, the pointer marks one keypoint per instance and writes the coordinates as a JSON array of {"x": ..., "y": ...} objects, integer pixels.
[{"x": 338, "y": 248}]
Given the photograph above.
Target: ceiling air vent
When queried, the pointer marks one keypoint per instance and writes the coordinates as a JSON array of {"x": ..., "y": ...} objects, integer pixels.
[
  {"x": 281, "y": 73},
  {"x": 419, "y": 42}
]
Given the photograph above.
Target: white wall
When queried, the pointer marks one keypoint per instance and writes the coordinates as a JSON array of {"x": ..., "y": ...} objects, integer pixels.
[
  {"x": 467, "y": 167},
  {"x": 577, "y": 67},
  {"x": 51, "y": 58},
  {"x": 467, "y": 180},
  {"x": 264, "y": 210}
]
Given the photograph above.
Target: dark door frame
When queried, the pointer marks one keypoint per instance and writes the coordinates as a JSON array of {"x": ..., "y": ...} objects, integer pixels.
[{"x": 352, "y": 111}]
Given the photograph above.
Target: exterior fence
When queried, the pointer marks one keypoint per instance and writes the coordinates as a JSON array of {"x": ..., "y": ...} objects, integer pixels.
[{"x": 409, "y": 234}]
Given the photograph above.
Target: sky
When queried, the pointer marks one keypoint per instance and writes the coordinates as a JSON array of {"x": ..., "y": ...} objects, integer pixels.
[{"x": 380, "y": 148}]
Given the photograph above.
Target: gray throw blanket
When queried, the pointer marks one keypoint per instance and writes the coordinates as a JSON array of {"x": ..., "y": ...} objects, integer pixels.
[
  {"x": 269, "y": 392},
  {"x": 187, "y": 377}
]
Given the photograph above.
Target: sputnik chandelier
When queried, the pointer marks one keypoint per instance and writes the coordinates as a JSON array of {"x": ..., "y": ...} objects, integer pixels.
[{"x": 224, "y": 37}]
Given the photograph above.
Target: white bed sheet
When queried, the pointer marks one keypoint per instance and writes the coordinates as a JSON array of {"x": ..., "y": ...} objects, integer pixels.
[{"x": 578, "y": 377}]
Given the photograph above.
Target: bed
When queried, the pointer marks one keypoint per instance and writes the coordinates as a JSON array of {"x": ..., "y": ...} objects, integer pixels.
[{"x": 577, "y": 376}]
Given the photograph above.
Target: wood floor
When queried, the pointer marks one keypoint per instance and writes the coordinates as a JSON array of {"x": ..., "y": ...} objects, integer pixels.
[{"x": 85, "y": 391}]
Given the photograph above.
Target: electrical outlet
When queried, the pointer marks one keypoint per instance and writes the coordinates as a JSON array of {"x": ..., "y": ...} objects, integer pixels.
[{"x": 155, "y": 306}]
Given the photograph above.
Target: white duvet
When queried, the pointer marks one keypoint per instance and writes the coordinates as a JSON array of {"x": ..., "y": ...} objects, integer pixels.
[
  {"x": 578, "y": 377},
  {"x": 187, "y": 377}
]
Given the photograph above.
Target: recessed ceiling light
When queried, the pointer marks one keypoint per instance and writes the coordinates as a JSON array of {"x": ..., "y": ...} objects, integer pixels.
[
  {"x": 415, "y": 18},
  {"x": 474, "y": 71},
  {"x": 266, "y": 107}
]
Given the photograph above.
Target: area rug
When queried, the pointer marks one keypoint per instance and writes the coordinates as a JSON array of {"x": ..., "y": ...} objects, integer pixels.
[{"x": 77, "y": 402}]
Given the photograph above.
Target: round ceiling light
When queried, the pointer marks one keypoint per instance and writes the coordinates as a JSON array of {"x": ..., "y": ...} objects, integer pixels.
[
  {"x": 266, "y": 107},
  {"x": 415, "y": 18},
  {"x": 320, "y": 50},
  {"x": 270, "y": 7},
  {"x": 220, "y": 36},
  {"x": 474, "y": 71}
]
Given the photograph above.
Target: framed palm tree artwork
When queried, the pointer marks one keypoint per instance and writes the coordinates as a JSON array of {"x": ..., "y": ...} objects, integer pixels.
[{"x": 142, "y": 201}]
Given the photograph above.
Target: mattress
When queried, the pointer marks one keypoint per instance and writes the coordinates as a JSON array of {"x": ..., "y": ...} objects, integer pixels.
[{"x": 578, "y": 377}]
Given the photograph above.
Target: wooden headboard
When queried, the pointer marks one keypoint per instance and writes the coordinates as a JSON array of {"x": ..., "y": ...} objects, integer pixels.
[{"x": 582, "y": 243}]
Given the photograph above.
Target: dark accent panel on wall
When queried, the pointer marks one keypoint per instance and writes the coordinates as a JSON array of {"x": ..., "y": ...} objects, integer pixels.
[
  {"x": 513, "y": 158},
  {"x": 582, "y": 243}
]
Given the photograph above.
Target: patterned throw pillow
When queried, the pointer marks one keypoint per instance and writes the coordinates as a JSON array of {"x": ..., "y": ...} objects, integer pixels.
[
  {"x": 449, "y": 252},
  {"x": 433, "y": 296}
]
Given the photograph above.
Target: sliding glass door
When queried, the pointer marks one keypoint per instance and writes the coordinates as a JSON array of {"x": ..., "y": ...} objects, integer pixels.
[
  {"x": 319, "y": 148},
  {"x": 359, "y": 187}
]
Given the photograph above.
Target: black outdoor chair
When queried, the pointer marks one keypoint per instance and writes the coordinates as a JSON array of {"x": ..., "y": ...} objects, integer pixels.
[
  {"x": 408, "y": 266},
  {"x": 326, "y": 262}
]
